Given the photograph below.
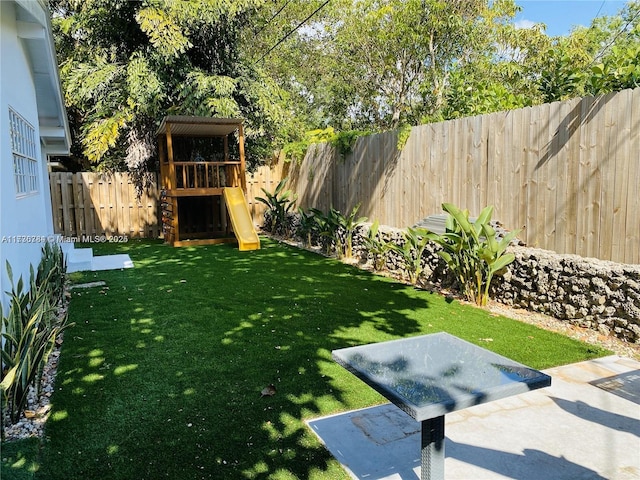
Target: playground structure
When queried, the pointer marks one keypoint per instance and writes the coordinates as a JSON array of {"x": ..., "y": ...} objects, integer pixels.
[{"x": 202, "y": 171}]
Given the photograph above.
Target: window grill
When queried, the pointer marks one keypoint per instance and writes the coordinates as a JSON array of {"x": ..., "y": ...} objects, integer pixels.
[{"x": 23, "y": 147}]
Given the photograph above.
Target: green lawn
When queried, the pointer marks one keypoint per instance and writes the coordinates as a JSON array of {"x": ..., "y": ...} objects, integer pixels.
[{"x": 162, "y": 373}]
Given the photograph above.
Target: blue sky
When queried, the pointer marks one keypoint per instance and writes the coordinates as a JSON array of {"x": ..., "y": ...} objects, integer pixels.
[{"x": 561, "y": 15}]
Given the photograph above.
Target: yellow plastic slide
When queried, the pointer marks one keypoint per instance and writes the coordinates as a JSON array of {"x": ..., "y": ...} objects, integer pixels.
[{"x": 241, "y": 219}]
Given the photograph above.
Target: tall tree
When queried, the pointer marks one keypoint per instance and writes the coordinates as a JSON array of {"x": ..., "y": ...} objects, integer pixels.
[
  {"x": 292, "y": 66},
  {"x": 124, "y": 65},
  {"x": 377, "y": 64}
]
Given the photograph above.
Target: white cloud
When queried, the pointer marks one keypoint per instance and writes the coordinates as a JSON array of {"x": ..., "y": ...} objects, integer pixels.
[{"x": 524, "y": 23}]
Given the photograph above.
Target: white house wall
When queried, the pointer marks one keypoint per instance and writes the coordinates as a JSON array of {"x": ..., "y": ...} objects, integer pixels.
[{"x": 24, "y": 221}]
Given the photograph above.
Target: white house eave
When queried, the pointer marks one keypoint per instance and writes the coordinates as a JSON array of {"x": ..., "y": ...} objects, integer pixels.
[{"x": 34, "y": 30}]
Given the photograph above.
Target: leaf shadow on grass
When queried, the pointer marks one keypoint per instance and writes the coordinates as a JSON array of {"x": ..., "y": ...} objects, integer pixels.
[{"x": 161, "y": 377}]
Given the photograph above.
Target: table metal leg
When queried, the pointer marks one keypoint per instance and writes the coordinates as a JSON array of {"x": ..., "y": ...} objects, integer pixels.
[{"x": 432, "y": 454}]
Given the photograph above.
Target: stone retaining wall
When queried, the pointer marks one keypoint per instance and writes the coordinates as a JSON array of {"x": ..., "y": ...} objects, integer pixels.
[
  {"x": 592, "y": 293},
  {"x": 585, "y": 291}
]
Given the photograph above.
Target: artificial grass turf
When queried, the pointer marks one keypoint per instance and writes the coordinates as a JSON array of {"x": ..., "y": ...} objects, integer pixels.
[
  {"x": 161, "y": 375},
  {"x": 19, "y": 459}
]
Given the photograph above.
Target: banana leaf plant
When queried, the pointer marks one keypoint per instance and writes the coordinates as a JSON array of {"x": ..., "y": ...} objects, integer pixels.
[
  {"x": 279, "y": 204},
  {"x": 376, "y": 246},
  {"x": 327, "y": 226},
  {"x": 307, "y": 226},
  {"x": 347, "y": 225},
  {"x": 415, "y": 241},
  {"x": 472, "y": 251}
]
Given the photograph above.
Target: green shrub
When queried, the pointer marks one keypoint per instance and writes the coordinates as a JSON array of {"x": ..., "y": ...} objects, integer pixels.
[
  {"x": 279, "y": 204},
  {"x": 415, "y": 241},
  {"x": 30, "y": 328},
  {"x": 338, "y": 229},
  {"x": 306, "y": 226},
  {"x": 326, "y": 226},
  {"x": 376, "y": 246},
  {"x": 472, "y": 251},
  {"x": 344, "y": 141},
  {"x": 347, "y": 225}
]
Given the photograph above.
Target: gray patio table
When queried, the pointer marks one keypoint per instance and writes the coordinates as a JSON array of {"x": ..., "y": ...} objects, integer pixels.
[{"x": 429, "y": 376}]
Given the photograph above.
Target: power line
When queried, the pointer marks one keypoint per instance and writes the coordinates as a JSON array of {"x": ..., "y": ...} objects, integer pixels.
[
  {"x": 274, "y": 16},
  {"x": 600, "y": 9},
  {"x": 622, "y": 30},
  {"x": 292, "y": 31}
]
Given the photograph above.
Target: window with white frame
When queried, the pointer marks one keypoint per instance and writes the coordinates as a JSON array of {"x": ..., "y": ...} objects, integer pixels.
[{"x": 23, "y": 147}]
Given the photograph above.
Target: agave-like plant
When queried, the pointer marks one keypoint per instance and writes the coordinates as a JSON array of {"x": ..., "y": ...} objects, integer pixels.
[
  {"x": 472, "y": 251},
  {"x": 28, "y": 337},
  {"x": 415, "y": 241},
  {"x": 52, "y": 271},
  {"x": 30, "y": 328},
  {"x": 376, "y": 246},
  {"x": 279, "y": 204}
]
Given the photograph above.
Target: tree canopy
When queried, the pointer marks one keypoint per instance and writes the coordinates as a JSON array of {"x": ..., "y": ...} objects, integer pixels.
[
  {"x": 125, "y": 65},
  {"x": 289, "y": 67}
]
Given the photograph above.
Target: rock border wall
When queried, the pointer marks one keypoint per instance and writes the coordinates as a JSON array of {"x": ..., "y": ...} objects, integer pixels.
[{"x": 591, "y": 293}]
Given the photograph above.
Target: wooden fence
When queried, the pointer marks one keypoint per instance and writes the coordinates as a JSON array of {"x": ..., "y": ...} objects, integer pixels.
[
  {"x": 88, "y": 204},
  {"x": 266, "y": 177},
  {"x": 567, "y": 173},
  {"x": 92, "y": 204}
]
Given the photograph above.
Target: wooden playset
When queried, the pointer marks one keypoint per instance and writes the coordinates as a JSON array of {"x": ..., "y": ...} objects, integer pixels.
[{"x": 202, "y": 170}]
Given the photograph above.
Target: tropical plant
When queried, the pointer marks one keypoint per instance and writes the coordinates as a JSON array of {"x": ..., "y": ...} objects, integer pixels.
[
  {"x": 410, "y": 251},
  {"x": 376, "y": 246},
  {"x": 347, "y": 225},
  {"x": 338, "y": 229},
  {"x": 52, "y": 272},
  {"x": 29, "y": 332},
  {"x": 326, "y": 225},
  {"x": 279, "y": 204},
  {"x": 306, "y": 226},
  {"x": 472, "y": 251},
  {"x": 30, "y": 327}
]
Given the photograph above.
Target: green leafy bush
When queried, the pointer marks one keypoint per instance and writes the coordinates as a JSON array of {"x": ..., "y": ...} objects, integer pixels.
[
  {"x": 279, "y": 204},
  {"x": 376, "y": 246},
  {"x": 306, "y": 226},
  {"x": 30, "y": 328},
  {"x": 345, "y": 140},
  {"x": 326, "y": 227},
  {"x": 415, "y": 241},
  {"x": 338, "y": 229},
  {"x": 472, "y": 251},
  {"x": 342, "y": 141}
]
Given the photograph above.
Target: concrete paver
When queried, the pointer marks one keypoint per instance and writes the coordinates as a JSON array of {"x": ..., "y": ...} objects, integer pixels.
[{"x": 586, "y": 425}]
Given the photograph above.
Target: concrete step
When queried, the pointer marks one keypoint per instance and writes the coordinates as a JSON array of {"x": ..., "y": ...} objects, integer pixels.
[{"x": 79, "y": 259}]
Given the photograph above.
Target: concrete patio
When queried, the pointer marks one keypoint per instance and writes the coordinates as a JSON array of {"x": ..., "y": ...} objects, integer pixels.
[{"x": 586, "y": 425}]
